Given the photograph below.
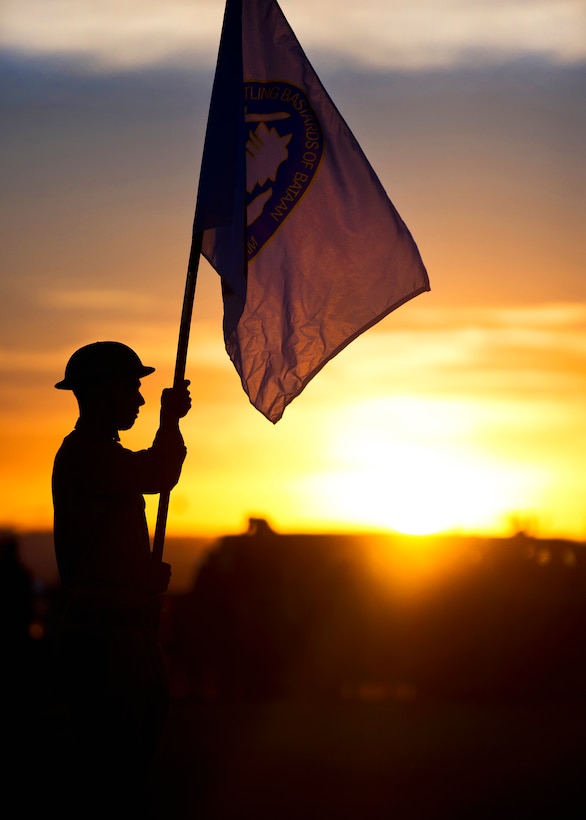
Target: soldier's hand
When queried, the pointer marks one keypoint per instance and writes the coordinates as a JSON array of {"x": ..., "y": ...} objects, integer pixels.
[
  {"x": 159, "y": 576},
  {"x": 175, "y": 402}
]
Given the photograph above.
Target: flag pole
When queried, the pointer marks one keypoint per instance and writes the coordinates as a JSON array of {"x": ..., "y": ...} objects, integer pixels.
[{"x": 180, "y": 363}]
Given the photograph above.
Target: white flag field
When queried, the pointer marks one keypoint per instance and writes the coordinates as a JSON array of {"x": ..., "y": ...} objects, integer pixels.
[{"x": 310, "y": 249}]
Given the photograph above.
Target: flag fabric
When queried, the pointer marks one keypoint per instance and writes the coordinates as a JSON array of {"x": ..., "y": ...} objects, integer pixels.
[{"x": 310, "y": 250}]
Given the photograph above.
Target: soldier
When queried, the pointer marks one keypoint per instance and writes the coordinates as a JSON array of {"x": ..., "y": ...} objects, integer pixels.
[{"x": 111, "y": 669}]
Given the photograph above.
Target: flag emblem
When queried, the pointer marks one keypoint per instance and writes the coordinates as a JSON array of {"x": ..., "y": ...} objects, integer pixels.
[{"x": 284, "y": 147}]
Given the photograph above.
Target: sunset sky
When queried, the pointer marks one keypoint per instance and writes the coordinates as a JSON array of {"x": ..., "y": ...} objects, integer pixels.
[{"x": 463, "y": 411}]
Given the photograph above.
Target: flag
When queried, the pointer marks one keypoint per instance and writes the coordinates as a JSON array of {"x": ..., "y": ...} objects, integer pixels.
[{"x": 310, "y": 250}]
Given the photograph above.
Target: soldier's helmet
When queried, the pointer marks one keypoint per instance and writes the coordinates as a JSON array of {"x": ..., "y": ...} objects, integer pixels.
[{"x": 102, "y": 363}]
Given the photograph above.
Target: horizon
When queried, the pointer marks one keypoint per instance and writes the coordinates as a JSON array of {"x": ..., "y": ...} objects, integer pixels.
[{"x": 416, "y": 557}]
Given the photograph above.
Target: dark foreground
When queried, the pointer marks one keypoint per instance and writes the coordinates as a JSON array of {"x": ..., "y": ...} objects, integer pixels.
[
  {"x": 292, "y": 760},
  {"x": 372, "y": 761},
  {"x": 492, "y": 723}
]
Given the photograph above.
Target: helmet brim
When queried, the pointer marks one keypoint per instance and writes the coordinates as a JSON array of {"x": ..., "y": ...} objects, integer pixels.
[{"x": 71, "y": 384}]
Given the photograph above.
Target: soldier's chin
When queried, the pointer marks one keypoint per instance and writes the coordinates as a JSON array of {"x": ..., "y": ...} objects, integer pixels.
[{"x": 126, "y": 424}]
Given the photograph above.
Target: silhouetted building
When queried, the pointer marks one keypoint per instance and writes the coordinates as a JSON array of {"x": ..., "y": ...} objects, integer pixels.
[{"x": 275, "y": 615}]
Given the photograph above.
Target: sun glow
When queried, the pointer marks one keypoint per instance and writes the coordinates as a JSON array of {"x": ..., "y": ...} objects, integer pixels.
[
  {"x": 421, "y": 492},
  {"x": 417, "y": 469}
]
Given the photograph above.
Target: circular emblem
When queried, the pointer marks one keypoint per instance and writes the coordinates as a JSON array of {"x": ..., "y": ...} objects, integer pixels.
[{"x": 284, "y": 147}]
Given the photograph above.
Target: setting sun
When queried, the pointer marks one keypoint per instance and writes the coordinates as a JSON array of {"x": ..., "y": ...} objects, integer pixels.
[{"x": 418, "y": 467}]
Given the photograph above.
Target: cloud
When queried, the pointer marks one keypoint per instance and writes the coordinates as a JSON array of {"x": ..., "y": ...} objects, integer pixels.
[
  {"x": 532, "y": 355},
  {"x": 91, "y": 300},
  {"x": 385, "y": 34}
]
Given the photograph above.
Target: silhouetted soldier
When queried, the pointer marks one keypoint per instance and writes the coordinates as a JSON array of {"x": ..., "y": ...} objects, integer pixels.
[{"x": 109, "y": 660}]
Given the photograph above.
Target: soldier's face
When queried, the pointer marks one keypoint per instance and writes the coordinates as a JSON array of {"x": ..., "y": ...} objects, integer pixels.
[{"x": 127, "y": 401}]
